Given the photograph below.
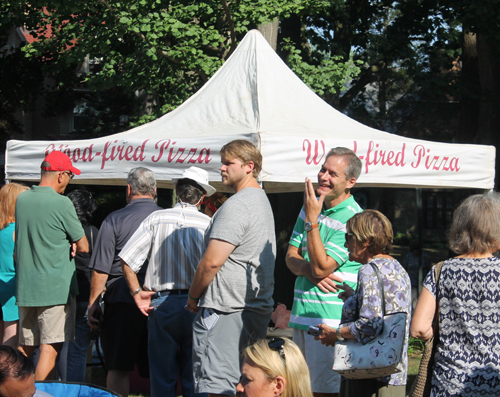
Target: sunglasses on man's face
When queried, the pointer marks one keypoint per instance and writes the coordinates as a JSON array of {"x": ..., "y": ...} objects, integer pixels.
[
  {"x": 277, "y": 344},
  {"x": 70, "y": 174}
]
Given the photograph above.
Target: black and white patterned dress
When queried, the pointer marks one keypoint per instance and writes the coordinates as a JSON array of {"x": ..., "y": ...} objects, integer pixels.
[{"x": 467, "y": 361}]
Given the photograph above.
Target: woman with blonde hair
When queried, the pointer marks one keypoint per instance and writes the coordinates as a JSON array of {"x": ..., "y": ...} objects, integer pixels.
[
  {"x": 274, "y": 367},
  {"x": 8, "y": 198}
]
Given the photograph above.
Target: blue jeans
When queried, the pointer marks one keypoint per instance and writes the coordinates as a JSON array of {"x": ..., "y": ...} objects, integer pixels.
[
  {"x": 170, "y": 329},
  {"x": 77, "y": 350}
]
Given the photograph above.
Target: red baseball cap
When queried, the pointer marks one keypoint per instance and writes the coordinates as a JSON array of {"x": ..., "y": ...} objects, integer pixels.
[{"x": 59, "y": 162}]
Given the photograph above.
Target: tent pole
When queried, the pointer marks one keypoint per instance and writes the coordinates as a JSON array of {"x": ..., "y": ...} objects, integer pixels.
[{"x": 418, "y": 195}]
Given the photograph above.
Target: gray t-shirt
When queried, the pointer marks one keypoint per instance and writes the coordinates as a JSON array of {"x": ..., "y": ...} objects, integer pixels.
[{"x": 246, "y": 280}]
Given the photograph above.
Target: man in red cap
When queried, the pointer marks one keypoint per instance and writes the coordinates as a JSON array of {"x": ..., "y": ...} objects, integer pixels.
[{"x": 48, "y": 235}]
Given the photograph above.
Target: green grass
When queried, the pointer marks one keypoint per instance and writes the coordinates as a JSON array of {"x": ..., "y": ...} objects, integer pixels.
[{"x": 413, "y": 364}]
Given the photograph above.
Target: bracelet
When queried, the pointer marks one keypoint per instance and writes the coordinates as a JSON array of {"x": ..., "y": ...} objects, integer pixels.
[
  {"x": 135, "y": 292},
  {"x": 194, "y": 299}
]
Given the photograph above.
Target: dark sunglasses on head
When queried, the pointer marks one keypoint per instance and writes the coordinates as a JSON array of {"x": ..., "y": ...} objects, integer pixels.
[
  {"x": 70, "y": 174},
  {"x": 277, "y": 344},
  {"x": 347, "y": 235}
]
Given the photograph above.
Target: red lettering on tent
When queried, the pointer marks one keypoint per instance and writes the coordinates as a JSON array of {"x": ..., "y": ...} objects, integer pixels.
[
  {"x": 164, "y": 145},
  {"x": 192, "y": 159},
  {"x": 139, "y": 152},
  {"x": 309, "y": 157},
  {"x": 207, "y": 156},
  {"x": 87, "y": 154},
  {"x": 418, "y": 151},
  {"x": 181, "y": 151}
]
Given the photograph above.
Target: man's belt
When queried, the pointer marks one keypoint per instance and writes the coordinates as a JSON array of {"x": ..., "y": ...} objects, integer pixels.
[{"x": 167, "y": 292}]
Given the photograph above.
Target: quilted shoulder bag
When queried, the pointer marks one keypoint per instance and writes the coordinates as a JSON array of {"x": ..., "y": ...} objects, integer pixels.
[{"x": 380, "y": 357}]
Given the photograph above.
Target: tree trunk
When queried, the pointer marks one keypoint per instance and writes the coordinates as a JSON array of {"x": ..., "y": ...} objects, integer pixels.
[
  {"x": 469, "y": 102},
  {"x": 480, "y": 102},
  {"x": 489, "y": 117},
  {"x": 270, "y": 32},
  {"x": 489, "y": 112}
]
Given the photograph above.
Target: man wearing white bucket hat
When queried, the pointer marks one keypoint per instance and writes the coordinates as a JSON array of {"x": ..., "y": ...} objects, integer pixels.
[{"x": 172, "y": 241}]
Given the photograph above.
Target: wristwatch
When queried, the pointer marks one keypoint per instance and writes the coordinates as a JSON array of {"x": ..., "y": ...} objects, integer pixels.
[
  {"x": 339, "y": 337},
  {"x": 310, "y": 226}
]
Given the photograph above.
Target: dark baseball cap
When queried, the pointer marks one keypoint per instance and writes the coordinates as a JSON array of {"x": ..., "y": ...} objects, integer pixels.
[{"x": 59, "y": 162}]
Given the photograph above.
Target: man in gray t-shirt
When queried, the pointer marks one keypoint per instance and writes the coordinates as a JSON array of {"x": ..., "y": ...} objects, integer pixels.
[{"x": 233, "y": 285}]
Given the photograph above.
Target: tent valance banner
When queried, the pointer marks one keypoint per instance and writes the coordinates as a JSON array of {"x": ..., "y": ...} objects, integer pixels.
[{"x": 255, "y": 96}]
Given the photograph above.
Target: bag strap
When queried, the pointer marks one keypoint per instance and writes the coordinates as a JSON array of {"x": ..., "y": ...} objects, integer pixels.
[
  {"x": 91, "y": 240},
  {"x": 89, "y": 270},
  {"x": 381, "y": 289},
  {"x": 435, "y": 320},
  {"x": 437, "y": 272}
]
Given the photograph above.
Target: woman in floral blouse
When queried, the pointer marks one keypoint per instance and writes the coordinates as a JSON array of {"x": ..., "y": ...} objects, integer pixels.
[{"x": 369, "y": 240}]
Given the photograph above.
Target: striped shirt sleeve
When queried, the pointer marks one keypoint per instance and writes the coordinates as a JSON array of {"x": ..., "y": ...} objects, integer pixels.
[{"x": 138, "y": 247}]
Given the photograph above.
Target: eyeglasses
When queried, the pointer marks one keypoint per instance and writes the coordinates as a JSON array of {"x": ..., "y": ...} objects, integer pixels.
[
  {"x": 277, "y": 345},
  {"x": 347, "y": 235},
  {"x": 70, "y": 174}
]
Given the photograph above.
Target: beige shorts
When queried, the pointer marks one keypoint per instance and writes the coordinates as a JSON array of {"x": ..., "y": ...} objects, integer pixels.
[{"x": 47, "y": 324}]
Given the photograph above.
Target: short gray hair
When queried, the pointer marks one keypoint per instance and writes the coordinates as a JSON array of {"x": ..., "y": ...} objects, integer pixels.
[
  {"x": 475, "y": 226},
  {"x": 353, "y": 169},
  {"x": 44, "y": 173},
  {"x": 142, "y": 181}
]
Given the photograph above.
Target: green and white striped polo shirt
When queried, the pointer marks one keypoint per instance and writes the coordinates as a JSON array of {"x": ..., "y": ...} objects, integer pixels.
[{"x": 311, "y": 306}]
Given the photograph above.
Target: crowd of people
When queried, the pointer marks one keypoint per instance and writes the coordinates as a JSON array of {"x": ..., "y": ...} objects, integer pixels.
[{"x": 187, "y": 295}]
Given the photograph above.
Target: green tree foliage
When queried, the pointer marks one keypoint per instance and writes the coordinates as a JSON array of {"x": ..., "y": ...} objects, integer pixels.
[
  {"x": 421, "y": 58},
  {"x": 165, "y": 50},
  {"x": 406, "y": 48},
  {"x": 326, "y": 77}
]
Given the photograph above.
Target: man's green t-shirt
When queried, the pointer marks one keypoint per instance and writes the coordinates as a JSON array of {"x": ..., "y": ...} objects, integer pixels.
[
  {"x": 311, "y": 306},
  {"x": 46, "y": 224}
]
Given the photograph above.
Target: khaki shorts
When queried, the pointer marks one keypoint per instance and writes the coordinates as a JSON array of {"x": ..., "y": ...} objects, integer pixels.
[{"x": 47, "y": 324}]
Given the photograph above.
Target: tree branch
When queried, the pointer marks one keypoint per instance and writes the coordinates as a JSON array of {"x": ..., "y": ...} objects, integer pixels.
[
  {"x": 364, "y": 78},
  {"x": 232, "y": 29},
  {"x": 209, "y": 48}
]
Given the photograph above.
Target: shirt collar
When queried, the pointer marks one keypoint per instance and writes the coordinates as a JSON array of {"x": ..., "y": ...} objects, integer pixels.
[
  {"x": 141, "y": 200},
  {"x": 340, "y": 206},
  {"x": 43, "y": 188},
  {"x": 186, "y": 206}
]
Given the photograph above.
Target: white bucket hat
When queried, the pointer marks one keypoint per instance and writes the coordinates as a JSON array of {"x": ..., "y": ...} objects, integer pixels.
[{"x": 198, "y": 175}]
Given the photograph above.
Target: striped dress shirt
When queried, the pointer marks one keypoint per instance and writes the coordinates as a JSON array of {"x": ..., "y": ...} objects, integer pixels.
[{"x": 173, "y": 241}]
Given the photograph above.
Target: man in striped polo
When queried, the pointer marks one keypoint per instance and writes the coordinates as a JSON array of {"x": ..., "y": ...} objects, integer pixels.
[
  {"x": 316, "y": 254},
  {"x": 172, "y": 241}
]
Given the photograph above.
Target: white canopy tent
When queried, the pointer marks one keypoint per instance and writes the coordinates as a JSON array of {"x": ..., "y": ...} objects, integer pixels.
[{"x": 255, "y": 96}]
